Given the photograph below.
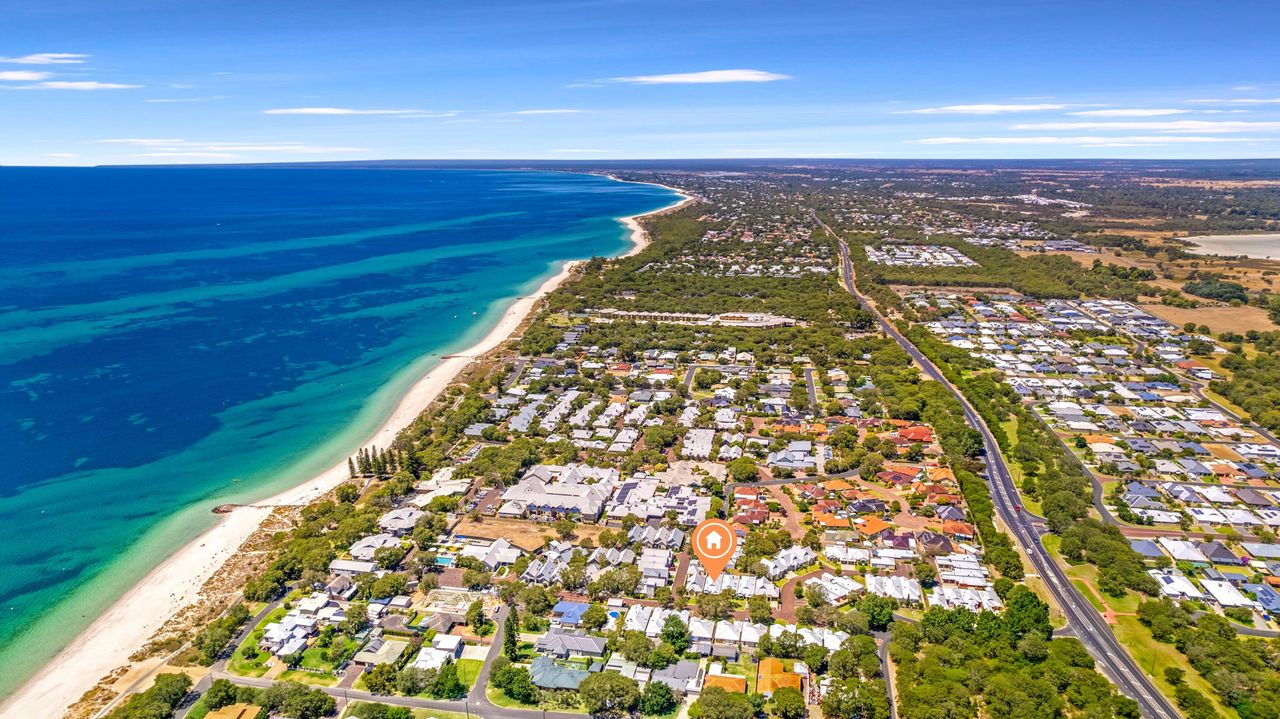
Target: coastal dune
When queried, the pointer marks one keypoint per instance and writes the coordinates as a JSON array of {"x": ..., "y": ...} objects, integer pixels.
[{"x": 106, "y": 645}]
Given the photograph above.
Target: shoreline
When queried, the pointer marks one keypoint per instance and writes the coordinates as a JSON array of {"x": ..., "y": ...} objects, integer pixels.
[
  {"x": 129, "y": 624},
  {"x": 1251, "y": 245}
]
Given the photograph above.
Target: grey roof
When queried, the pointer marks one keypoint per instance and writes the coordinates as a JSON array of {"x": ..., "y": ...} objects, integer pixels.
[
  {"x": 545, "y": 673},
  {"x": 676, "y": 676},
  {"x": 1146, "y": 548},
  {"x": 563, "y": 643}
]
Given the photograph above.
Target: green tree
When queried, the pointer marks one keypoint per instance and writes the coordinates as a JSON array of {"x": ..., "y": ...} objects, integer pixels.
[
  {"x": 853, "y": 699},
  {"x": 716, "y": 606},
  {"x": 510, "y": 640},
  {"x": 716, "y": 703},
  {"x": 296, "y": 700},
  {"x": 744, "y": 469},
  {"x": 476, "y": 618},
  {"x": 676, "y": 633},
  {"x": 476, "y": 580},
  {"x": 565, "y": 527},
  {"x": 879, "y": 611},
  {"x": 389, "y": 557},
  {"x": 657, "y": 699},
  {"x": 520, "y": 687},
  {"x": 609, "y": 695},
  {"x": 788, "y": 703},
  {"x": 412, "y": 681},
  {"x": 221, "y": 693},
  {"x": 595, "y": 617},
  {"x": 760, "y": 610},
  {"x": 381, "y": 679},
  {"x": 1194, "y": 704},
  {"x": 448, "y": 685},
  {"x": 635, "y": 647},
  {"x": 356, "y": 619}
]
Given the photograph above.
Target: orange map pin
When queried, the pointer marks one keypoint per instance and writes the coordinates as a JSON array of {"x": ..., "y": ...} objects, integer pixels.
[{"x": 714, "y": 542}]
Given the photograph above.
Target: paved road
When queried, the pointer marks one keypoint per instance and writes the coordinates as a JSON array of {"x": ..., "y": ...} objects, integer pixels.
[
  {"x": 1089, "y": 626},
  {"x": 475, "y": 704},
  {"x": 883, "y": 639},
  {"x": 202, "y": 686},
  {"x": 811, "y": 384}
]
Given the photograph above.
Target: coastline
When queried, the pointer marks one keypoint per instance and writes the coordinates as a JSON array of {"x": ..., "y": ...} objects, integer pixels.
[{"x": 105, "y": 646}]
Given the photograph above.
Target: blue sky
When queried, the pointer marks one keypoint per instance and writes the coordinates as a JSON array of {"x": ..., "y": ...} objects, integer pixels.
[{"x": 145, "y": 81}]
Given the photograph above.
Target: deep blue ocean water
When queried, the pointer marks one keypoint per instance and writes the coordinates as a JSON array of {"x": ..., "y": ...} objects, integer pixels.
[{"x": 176, "y": 338}]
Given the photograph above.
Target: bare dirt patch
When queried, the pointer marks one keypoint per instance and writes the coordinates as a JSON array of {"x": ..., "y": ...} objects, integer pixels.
[
  {"x": 525, "y": 534},
  {"x": 1219, "y": 319}
]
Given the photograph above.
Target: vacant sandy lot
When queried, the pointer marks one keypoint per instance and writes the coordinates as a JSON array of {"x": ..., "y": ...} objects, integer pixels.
[
  {"x": 523, "y": 533},
  {"x": 1219, "y": 319}
]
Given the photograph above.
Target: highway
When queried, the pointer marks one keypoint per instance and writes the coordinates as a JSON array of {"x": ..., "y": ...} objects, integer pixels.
[{"x": 1086, "y": 624}]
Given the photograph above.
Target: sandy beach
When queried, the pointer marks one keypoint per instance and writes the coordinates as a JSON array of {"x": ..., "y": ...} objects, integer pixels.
[{"x": 176, "y": 583}]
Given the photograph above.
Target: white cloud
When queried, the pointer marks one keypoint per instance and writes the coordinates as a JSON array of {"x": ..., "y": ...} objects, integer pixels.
[
  {"x": 552, "y": 111},
  {"x": 1131, "y": 112},
  {"x": 1083, "y": 140},
  {"x": 336, "y": 111},
  {"x": 983, "y": 109},
  {"x": 77, "y": 85},
  {"x": 22, "y": 75},
  {"x": 210, "y": 98},
  {"x": 206, "y": 155},
  {"x": 577, "y": 151},
  {"x": 1158, "y": 126},
  {"x": 47, "y": 58},
  {"x": 141, "y": 141},
  {"x": 61, "y": 154},
  {"x": 706, "y": 77},
  {"x": 172, "y": 147},
  {"x": 1237, "y": 101}
]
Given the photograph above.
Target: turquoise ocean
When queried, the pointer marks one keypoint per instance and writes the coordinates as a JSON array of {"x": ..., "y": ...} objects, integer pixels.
[{"x": 172, "y": 339}]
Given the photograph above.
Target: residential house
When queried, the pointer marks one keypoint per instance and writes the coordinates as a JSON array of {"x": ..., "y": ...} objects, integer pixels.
[{"x": 564, "y": 644}]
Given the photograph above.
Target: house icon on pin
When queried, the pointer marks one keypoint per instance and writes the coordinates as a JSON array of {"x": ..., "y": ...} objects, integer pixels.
[{"x": 714, "y": 540}]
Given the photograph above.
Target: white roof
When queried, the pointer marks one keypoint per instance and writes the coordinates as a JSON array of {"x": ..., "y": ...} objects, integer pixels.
[{"x": 1225, "y": 594}]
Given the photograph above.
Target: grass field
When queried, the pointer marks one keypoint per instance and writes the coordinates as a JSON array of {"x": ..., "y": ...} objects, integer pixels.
[
  {"x": 1147, "y": 653},
  {"x": 319, "y": 680},
  {"x": 498, "y": 698},
  {"x": 354, "y": 711},
  {"x": 1010, "y": 427},
  {"x": 314, "y": 658},
  {"x": 256, "y": 668},
  {"x": 1219, "y": 319},
  {"x": 1153, "y": 657},
  {"x": 198, "y": 710},
  {"x": 1087, "y": 591},
  {"x": 468, "y": 670}
]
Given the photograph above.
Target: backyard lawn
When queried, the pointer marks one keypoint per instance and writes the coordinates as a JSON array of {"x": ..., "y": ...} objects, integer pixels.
[
  {"x": 296, "y": 675},
  {"x": 468, "y": 670},
  {"x": 255, "y": 667}
]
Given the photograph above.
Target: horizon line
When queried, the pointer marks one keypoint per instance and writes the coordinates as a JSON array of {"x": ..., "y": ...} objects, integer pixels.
[{"x": 602, "y": 161}]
